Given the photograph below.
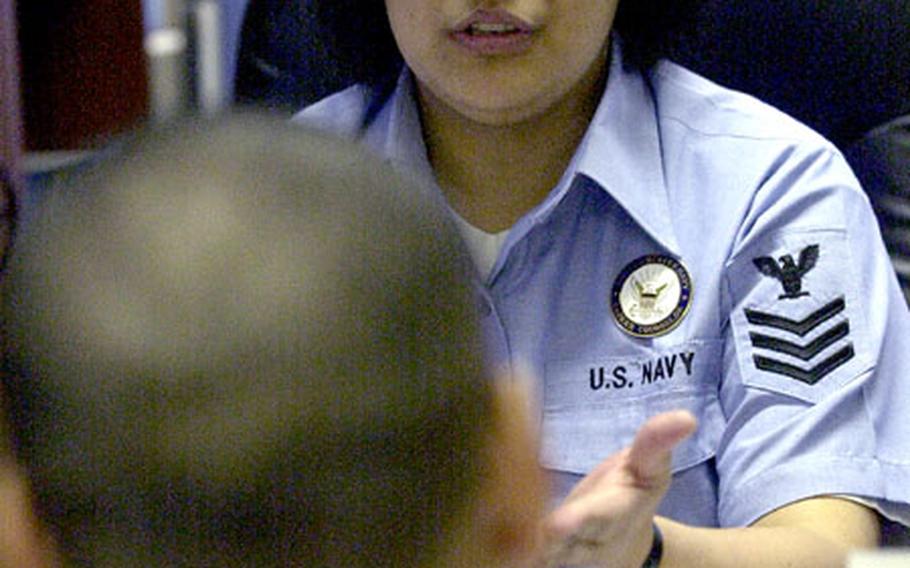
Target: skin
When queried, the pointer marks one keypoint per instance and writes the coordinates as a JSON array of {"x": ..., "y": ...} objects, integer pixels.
[
  {"x": 629, "y": 486},
  {"x": 502, "y": 89},
  {"x": 21, "y": 542},
  {"x": 500, "y": 131},
  {"x": 500, "y": 528}
]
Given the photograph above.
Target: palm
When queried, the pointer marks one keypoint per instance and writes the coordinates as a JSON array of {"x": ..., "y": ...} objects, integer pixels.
[{"x": 606, "y": 519}]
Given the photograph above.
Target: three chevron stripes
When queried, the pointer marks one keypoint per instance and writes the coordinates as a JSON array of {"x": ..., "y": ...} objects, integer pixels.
[{"x": 804, "y": 352}]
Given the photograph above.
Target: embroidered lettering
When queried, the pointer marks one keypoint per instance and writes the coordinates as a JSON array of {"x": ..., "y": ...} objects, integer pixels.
[
  {"x": 662, "y": 368},
  {"x": 687, "y": 358},
  {"x": 599, "y": 380}
]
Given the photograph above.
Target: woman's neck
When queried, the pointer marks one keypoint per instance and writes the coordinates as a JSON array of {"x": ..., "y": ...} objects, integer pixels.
[{"x": 492, "y": 175}]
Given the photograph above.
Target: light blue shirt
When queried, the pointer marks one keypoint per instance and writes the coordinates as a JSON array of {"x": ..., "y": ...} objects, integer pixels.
[{"x": 798, "y": 394}]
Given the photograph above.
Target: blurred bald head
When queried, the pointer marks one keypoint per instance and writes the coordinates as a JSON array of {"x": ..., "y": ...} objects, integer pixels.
[
  {"x": 244, "y": 344},
  {"x": 7, "y": 214}
]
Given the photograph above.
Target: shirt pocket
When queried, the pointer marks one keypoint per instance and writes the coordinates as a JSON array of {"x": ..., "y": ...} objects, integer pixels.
[{"x": 592, "y": 409}]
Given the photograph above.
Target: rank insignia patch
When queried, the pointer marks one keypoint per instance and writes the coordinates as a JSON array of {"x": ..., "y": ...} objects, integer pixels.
[
  {"x": 798, "y": 320},
  {"x": 651, "y": 295}
]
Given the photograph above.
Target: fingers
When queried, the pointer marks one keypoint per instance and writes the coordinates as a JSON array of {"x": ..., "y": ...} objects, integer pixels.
[
  {"x": 614, "y": 505},
  {"x": 650, "y": 454}
]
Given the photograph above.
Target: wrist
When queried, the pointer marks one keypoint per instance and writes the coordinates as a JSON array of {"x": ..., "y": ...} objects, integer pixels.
[{"x": 657, "y": 548}]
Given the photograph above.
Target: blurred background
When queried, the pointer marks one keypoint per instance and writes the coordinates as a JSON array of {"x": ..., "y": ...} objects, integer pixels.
[{"x": 77, "y": 73}]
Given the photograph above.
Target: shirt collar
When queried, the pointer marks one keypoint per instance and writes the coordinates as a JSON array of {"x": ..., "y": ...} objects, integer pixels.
[
  {"x": 396, "y": 133},
  {"x": 620, "y": 152}
]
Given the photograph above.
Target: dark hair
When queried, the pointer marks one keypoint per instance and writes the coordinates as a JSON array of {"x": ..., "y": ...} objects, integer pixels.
[
  {"x": 244, "y": 344},
  {"x": 363, "y": 43},
  {"x": 9, "y": 215}
]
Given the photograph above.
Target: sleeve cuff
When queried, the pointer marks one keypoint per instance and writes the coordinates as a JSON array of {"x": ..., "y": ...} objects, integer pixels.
[{"x": 741, "y": 504}]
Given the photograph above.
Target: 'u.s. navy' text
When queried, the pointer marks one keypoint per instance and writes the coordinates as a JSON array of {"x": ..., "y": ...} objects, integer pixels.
[{"x": 662, "y": 368}]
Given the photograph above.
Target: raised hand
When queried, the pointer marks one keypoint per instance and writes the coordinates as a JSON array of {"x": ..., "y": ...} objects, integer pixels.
[{"x": 607, "y": 519}]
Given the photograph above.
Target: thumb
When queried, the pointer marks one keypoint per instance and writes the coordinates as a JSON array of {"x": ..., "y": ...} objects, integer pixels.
[{"x": 651, "y": 451}]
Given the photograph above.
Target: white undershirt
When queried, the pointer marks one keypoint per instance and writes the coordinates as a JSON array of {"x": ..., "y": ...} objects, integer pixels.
[{"x": 484, "y": 247}]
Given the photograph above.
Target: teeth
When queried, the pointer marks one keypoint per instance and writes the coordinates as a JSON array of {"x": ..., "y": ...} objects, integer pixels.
[{"x": 490, "y": 28}]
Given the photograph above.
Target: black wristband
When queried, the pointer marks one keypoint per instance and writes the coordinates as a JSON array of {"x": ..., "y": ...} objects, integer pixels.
[{"x": 657, "y": 549}]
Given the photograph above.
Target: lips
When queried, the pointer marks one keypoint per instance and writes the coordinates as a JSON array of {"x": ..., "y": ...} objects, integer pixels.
[{"x": 493, "y": 32}]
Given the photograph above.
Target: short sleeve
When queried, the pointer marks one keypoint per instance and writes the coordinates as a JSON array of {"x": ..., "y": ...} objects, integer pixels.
[{"x": 817, "y": 349}]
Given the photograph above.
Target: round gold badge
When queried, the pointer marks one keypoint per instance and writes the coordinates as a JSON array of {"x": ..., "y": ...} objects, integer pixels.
[{"x": 651, "y": 295}]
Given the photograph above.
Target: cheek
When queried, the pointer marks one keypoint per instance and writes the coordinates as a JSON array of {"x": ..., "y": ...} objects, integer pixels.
[
  {"x": 412, "y": 27},
  {"x": 571, "y": 53},
  {"x": 589, "y": 21},
  {"x": 586, "y": 24},
  {"x": 589, "y": 40}
]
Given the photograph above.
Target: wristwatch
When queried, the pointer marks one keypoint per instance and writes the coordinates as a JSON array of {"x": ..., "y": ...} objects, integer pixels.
[{"x": 657, "y": 549}]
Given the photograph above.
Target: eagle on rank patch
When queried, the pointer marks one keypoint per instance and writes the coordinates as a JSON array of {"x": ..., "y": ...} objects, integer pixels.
[{"x": 789, "y": 273}]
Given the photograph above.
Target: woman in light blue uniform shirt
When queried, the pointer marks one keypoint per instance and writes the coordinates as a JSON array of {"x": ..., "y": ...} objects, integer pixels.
[{"x": 649, "y": 241}]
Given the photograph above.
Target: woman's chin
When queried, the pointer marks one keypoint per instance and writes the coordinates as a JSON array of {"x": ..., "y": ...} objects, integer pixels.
[{"x": 491, "y": 110}]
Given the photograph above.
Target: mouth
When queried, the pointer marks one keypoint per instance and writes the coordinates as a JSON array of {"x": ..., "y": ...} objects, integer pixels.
[
  {"x": 484, "y": 28},
  {"x": 493, "y": 32}
]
